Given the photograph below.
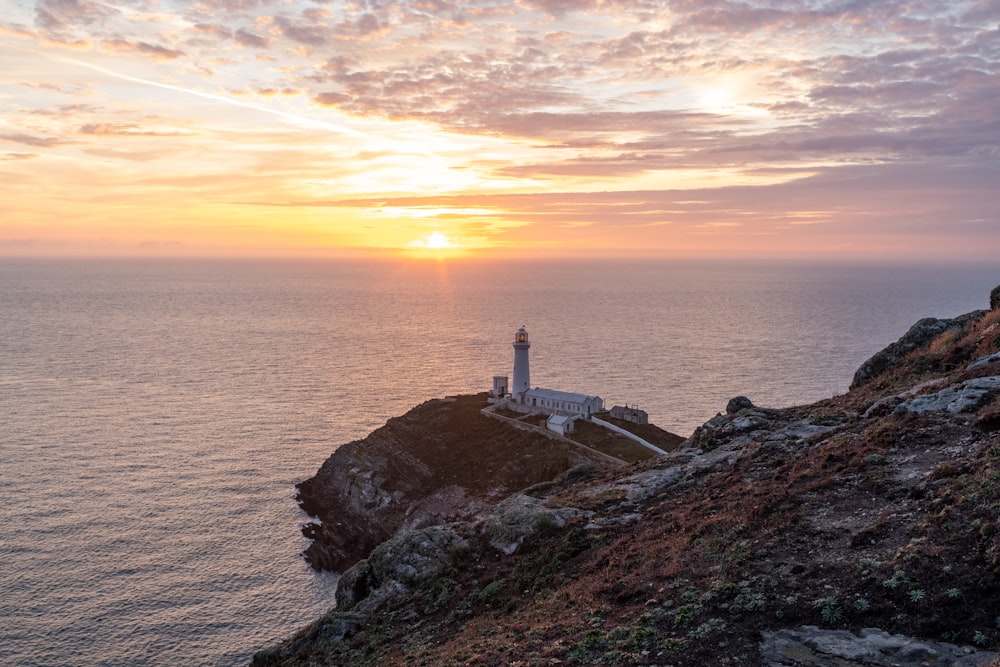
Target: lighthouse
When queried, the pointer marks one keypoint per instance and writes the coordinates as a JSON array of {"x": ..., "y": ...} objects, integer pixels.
[{"x": 522, "y": 376}]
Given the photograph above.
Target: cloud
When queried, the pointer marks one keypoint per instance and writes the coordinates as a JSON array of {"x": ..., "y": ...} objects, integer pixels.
[
  {"x": 215, "y": 7},
  {"x": 244, "y": 37},
  {"x": 159, "y": 53},
  {"x": 557, "y": 8},
  {"x": 214, "y": 30},
  {"x": 126, "y": 130},
  {"x": 64, "y": 110},
  {"x": 310, "y": 34},
  {"x": 368, "y": 24},
  {"x": 18, "y": 156},
  {"x": 871, "y": 208},
  {"x": 14, "y": 30},
  {"x": 32, "y": 140},
  {"x": 57, "y": 15}
]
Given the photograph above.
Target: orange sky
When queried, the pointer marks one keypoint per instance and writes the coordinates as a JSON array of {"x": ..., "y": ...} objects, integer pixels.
[{"x": 751, "y": 129}]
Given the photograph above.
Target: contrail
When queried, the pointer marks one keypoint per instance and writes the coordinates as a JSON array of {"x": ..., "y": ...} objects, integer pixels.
[{"x": 293, "y": 118}]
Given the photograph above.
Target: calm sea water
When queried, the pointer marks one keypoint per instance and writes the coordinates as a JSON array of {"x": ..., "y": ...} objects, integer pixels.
[{"x": 155, "y": 416}]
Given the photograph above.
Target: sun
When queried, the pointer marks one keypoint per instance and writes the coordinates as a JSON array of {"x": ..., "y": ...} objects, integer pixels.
[
  {"x": 435, "y": 245},
  {"x": 437, "y": 241}
]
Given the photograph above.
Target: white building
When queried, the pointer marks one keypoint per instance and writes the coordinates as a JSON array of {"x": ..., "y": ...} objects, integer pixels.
[
  {"x": 549, "y": 401},
  {"x": 560, "y": 424},
  {"x": 555, "y": 402}
]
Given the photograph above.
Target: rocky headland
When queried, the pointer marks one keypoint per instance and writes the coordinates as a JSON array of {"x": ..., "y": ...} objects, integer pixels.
[
  {"x": 443, "y": 461},
  {"x": 860, "y": 530}
]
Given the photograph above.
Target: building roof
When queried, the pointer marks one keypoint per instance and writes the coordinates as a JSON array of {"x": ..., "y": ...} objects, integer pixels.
[
  {"x": 622, "y": 409},
  {"x": 557, "y": 420},
  {"x": 556, "y": 395}
]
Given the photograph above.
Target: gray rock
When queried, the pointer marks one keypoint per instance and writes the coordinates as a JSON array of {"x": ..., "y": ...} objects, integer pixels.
[
  {"x": 731, "y": 431},
  {"x": 747, "y": 421},
  {"x": 919, "y": 335},
  {"x": 639, "y": 486},
  {"x": 882, "y": 406},
  {"x": 995, "y": 298},
  {"x": 804, "y": 431},
  {"x": 982, "y": 361},
  {"x": 334, "y": 626},
  {"x": 397, "y": 565},
  {"x": 809, "y": 646},
  {"x": 738, "y": 403},
  {"x": 967, "y": 397},
  {"x": 519, "y": 516}
]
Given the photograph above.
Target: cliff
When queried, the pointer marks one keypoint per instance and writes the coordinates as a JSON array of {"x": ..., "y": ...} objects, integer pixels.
[{"x": 860, "y": 530}]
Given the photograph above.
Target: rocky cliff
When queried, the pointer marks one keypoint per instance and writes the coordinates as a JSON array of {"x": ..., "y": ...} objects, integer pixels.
[{"x": 859, "y": 530}]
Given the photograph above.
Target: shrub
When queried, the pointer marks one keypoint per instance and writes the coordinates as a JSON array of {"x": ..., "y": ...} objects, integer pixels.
[{"x": 829, "y": 610}]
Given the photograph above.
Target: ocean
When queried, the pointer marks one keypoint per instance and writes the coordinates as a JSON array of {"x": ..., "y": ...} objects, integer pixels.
[{"x": 156, "y": 415}]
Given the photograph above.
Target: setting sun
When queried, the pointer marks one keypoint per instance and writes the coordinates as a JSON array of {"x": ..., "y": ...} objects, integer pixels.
[
  {"x": 438, "y": 240},
  {"x": 435, "y": 245}
]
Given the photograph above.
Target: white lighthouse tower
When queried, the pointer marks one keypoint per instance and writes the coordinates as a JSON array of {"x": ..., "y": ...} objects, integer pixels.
[{"x": 522, "y": 376}]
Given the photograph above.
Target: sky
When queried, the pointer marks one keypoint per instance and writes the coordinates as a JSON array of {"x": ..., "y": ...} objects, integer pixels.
[{"x": 808, "y": 129}]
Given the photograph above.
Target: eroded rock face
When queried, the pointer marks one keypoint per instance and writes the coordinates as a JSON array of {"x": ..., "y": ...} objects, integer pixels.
[
  {"x": 397, "y": 565},
  {"x": 408, "y": 560}
]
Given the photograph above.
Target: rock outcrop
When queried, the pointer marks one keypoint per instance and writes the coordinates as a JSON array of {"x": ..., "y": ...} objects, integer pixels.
[
  {"x": 919, "y": 336},
  {"x": 857, "y": 531}
]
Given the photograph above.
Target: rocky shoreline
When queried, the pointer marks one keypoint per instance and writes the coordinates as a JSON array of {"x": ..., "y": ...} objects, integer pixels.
[{"x": 860, "y": 530}]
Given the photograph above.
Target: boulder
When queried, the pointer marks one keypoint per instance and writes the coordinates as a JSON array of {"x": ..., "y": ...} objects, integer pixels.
[{"x": 738, "y": 403}]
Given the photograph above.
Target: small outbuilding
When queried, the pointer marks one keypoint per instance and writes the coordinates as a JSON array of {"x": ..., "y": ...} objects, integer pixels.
[
  {"x": 560, "y": 424},
  {"x": 630, "y": 414}
]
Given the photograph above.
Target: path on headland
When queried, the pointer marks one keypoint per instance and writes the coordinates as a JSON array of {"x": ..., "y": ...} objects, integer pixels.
[
  {"x": 489, "y": 411},
  {"x": 631, "y": 436}
]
